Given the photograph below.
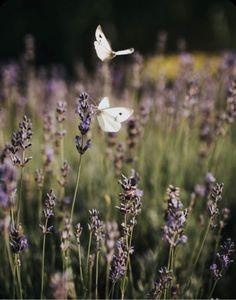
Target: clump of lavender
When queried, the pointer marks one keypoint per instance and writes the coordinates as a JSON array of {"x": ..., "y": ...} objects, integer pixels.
[
  {"x": 21, "y": 140},
  {"x": 223, "y": 260},
  {"x": 215, "y": 196},
  {"x": 85, "y": 111},
  {"x": 176, "y": 216},
  {"x": 130, "y": 207},
  {"x": 161, "y": 284},
  {"x": 18, "y": 241}
]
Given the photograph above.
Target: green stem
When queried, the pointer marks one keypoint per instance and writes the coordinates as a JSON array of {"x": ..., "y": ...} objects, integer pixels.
[
  {"x": 198, "y": 255},
  {"x": 96, "y": 280},
  {"x": 17, "y": 258},
  {"x": 202, "y": 244},
  {"x": 43, "y": 259},
  {"x": 80, "y": 266},
  {"x": 90, "y": 279},
  {"x": 168, "y": 266},
  {"x": 213, "y": 288},
  {"x": 88, "y": 253},
  {"x": 9, "y": 253},
  {"x": 107, "y": 280},
  {"x": 20, "y": 196},
  {"x": 77, "y": 185}
]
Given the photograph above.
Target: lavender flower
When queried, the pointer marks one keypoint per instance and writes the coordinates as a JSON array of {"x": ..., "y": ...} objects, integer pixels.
[
  {"x": 215, "y": 197},
  {"x": 96, "y": 226},
  {"x": 49, "y": 204},
  {"x": 176, "y": 216},
  {"x": 85, "y": 112},
  {"x": 18, "y": 241},
  {"x": 223, "y": 258},
  {"x": 64, "y": 174},
  {"x": 78, "y": 232},
  {"x": 60, "y": 117},
  {"x": 119, "y": 262},
  {"x": 21, "y": 140},
  {"x": 130, "y": 197},
  {"x": 80, "y": 147},
  {"x": 161, "y": 284}
]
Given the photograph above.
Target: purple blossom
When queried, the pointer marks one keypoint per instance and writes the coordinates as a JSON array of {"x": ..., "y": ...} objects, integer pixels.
[
  {"x": 85, "y": 111},
  {"x": 18, "y": 241},
  {"x": 161, "y": 284},
  {"x": 119, "y": 262},
  {"x": 223, "y": 258},
  {"x": 176, "y": 216}
]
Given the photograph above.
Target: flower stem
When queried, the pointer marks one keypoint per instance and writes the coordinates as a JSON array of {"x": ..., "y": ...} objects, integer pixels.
[
  {"x": 20, "y": 195},
  {"x": 213, "y": 288},
  {"x": 107, "y": 280},
  {"x": 96, "y": 280},
  {"x": 88, "y": 253},
  {"x": 202, "y": 244},
  {"x": 77, "y": 185},
  {"x": 18, "y": 275},
  {"x": 80, "y": 266},
  {"x": 43, "y": 259}
]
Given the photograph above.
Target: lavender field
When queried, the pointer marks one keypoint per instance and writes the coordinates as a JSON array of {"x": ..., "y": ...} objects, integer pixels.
[{"x": 147, "y": 212}]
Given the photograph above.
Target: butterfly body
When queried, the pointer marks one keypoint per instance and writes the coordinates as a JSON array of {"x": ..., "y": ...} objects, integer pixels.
[
  {"x": 103, "y": 47},
  {"x": 110, "y": 118}
]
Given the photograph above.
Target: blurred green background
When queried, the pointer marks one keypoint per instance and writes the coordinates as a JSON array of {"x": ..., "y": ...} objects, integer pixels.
[{"x": 64, "y": 30}]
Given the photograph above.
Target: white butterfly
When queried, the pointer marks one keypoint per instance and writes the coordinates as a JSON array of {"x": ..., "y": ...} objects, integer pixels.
[
  {"x": 103, "y": 48},
  {"x": 110, "y": 118}
]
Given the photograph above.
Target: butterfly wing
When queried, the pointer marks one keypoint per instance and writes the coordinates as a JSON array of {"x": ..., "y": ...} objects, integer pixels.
[
  {"x": 102, "y": 46},
  {"x": 101, "y": 39},
  {"x": 102, "y": 52},
  {"x": 107, "y": 122},
  {"x": 125, "y": 52},
  {"x": 119, "y": 114},
  {"x": 104, "y": 103}
]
